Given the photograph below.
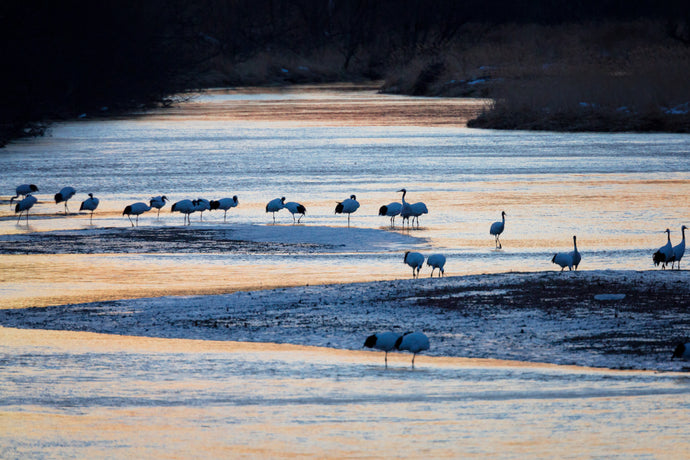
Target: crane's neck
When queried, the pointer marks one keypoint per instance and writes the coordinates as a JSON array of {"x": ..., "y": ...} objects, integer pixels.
[
  {"x": 683, "y": 232},
  {"x": 575, "y": 243},
  {"x": 403, "y": 196},
  {"x": 668, "y": 235}
]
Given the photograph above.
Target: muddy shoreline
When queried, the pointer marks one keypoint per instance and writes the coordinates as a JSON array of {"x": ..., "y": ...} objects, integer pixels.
[{"x": 537, "y": 317}]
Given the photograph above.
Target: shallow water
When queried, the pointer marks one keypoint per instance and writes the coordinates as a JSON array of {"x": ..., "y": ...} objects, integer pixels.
[
  {"x": 616, "y": 192},
  {"x": 185, "y": 398}
]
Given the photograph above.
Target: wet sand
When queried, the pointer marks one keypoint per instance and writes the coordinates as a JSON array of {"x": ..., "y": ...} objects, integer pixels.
[{"x": 549, "y": 317}]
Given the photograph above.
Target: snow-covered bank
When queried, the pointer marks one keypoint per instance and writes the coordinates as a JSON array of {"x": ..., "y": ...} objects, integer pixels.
[{"x": 540, "y": 317}]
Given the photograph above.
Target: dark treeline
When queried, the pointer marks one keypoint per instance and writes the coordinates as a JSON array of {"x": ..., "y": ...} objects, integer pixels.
[{"x": 61, "y": 59}]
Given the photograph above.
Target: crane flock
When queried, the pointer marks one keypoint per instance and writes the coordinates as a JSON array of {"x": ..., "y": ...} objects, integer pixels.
[
  {"x": 663, "y": 256},
  {"x": 414, "y": 342}
]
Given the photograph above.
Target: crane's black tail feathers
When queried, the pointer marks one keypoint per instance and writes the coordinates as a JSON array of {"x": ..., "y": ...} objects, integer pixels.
[{"x": 658, "y": 258}]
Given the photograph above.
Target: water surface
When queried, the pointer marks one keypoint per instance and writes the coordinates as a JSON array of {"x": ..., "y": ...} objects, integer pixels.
[{"x": 317, "y": 146}]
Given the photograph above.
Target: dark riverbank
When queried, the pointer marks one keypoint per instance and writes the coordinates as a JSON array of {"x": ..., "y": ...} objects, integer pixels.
[{"x": 589, "y": 66}]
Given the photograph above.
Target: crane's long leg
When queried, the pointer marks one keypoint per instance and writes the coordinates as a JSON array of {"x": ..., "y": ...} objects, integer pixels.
[{"x": 130, "y": 220}]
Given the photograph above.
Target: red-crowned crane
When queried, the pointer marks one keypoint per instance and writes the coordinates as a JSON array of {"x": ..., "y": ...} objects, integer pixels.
[
  {"x": 347, "y": 206},
  {"x": 414, "y": 342},
  {"x": 24, "y": 205},
  {"x": 185, "y": 207},
  {"x": 384, "y": 341},
  {"x": 23, "y": 190},
  {"x": 391, "y": 210},
  {"x": 564, "y": 259},
  {"x": 274, "y": 206},
  {"x": 436, "y": 261},
  {"x": 413, "y": 210},
  {"x": 89, "y": 204},
  {"x": 665, "y": 253},
  {"x": 135, "y": 209},
  {"x": 497, "y": 228},
  {"x": 158, "y": 202},
  {"x": 201, "y": 205},
  {"x": 296, "y": 208},
  {"x": 414, "y": 260},
  {"x": 225, "y": 204},
  {"x": 63, "y": 195}
]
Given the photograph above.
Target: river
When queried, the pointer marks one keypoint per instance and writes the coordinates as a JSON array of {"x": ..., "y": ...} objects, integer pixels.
[{"x": 74, "y": 394}]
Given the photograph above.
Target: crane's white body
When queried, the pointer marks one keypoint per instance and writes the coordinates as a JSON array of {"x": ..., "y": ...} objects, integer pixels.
[
  {"x": 185, "y": 207},
  {"x": 413, "y": 210},
  {"x": 296, "y": 208},
  {"x": 135, "y": 209},
  {"x": 679, "y": 249},
  {"x": 436, "y": 261},
  {"x": 414, "y": 342},
  {"x": 347, "y": 206},
  {"x": 566, "y": 259},
  {"x": 384, "y": 341},
  {"x": 414, "y": 260},
  {"x": 201, "y": 205},
  {"x": 23, "y": 190},
  {"x": 391, "y": 210},
  {"x": 274, "y": 206},
  {"x": 90, "y": 204},
  {"x": 24, "y": 205},
  {"x": 664, "y": 254},
  {"x": 225, "y": 204},
  {"x": 158, "y": 202},
  {"x": 64, "y": 195},
  {"x": 497, "y": 228}
]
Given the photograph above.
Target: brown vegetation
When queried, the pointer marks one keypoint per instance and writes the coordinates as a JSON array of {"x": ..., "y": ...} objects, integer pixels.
[{"x": 605, "y": 76}]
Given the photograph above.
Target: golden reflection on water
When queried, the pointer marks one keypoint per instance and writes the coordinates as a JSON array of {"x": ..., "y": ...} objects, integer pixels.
[
  {"x": 58, "y": 279},
  {"x": 307, "y": 414},
  {"x": 598, "y": 211}
]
